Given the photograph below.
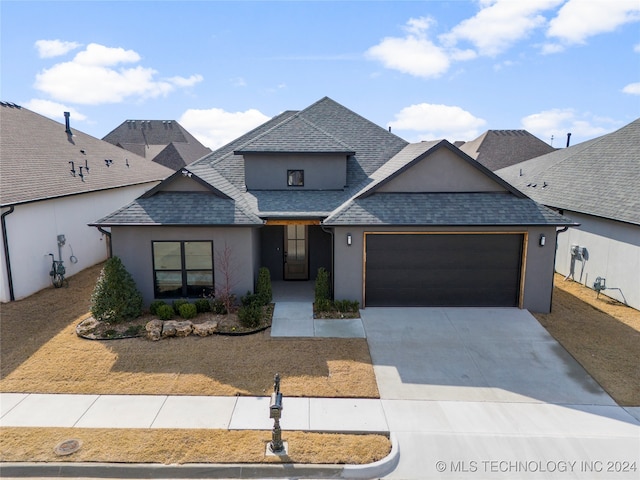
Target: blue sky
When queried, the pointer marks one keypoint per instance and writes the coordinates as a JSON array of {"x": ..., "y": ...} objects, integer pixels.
[{"x": 428, "y": 69}]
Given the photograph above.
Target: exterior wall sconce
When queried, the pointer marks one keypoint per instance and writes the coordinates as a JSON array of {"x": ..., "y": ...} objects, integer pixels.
[
  {"x": 349, "y": 239},
  {"x": 542, "y": 240}
]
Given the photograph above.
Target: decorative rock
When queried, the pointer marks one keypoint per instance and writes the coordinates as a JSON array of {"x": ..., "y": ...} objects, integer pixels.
[
  {"x": 154, "y": 329},
  {"x": 86, "y": 326},
  {"x": 184, "y": 329},
  {"x": 206, "y": 328}
]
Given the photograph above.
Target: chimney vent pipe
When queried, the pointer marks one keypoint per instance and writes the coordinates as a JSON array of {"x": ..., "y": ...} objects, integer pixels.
[
  {"x": 568, "y": 139},
  {"x": 67, "y": 125}
]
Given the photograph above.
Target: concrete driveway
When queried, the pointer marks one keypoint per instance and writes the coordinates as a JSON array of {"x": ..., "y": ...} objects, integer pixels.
[{"x": 473, "y": 354}]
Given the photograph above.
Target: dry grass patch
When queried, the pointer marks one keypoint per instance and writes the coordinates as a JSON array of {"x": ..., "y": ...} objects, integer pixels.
[
  {"x": 187, "y": 446},
  {"x": 602, "y": 334}
]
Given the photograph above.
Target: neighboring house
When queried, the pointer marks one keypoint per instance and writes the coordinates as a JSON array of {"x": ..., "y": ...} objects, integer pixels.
[
  {"x": 497, "y": 149},
  {"x": 597, "y": 184},
  {"x": 54, "y": 180},
  {"x": 162, "y": 141},
  {"x": 395, "y": 224}
]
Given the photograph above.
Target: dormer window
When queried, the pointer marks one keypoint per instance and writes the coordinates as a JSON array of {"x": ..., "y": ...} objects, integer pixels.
[{"x": 295, "y": 178}]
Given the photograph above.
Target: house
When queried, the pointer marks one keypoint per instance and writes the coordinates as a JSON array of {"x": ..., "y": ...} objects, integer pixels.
[
  {"x": 394, "y": 223},
  {"x": 496, "y": 149},
  {"x": 597, "y": 184},
  {"x": 54, "y": 181},
  {"x": 162, "y": 141}
]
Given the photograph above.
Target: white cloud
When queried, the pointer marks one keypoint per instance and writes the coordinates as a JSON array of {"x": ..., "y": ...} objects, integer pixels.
[
  {"x": 557, "y": 122},
  {"x": 636, "y": 48},
  {"x": 578, "y": 20},
  {"x": 414, "y": 54},
  {"x": 54, "y": 48},
  {"x": 438, "y": 121},
  {"x": 53, "y": 110},
  {"x": 238, "y": 82},
  {"x": 500, "y": 24},
  {"x": 632, "y": 89},
  {"x": 216, "y": 127},
  {"x": 95, "y": 76}
]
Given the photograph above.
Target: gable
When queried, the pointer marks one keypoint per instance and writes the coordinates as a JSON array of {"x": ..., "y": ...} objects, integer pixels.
[{"x": 441, "y": 171}]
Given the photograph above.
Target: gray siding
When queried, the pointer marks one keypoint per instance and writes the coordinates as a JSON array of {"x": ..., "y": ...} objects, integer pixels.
[
  {"x": 321, "y": 171},
  {"x": 133, "y": 246},
  {"x": 613, "y": 252}
]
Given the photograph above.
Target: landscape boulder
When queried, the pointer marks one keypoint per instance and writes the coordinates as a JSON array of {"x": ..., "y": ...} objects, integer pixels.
[
  {"x": 174, "y": 328},
  {"x": 205, "y": 329},
  {"x": 154, "y": 329}
]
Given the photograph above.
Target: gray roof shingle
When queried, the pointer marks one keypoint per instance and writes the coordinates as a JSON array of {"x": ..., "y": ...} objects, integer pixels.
[
  {"x": 35, "y": 152},
  {"x": 599, "y": 177}
]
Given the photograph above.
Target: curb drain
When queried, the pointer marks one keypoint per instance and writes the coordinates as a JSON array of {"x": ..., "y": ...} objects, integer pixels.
[{"x": 67, "y": 447}]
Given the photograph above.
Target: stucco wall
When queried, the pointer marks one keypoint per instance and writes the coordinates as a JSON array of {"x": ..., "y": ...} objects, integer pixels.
[
  {"x": 133, "y": 246},
  {"x": 349, "y": 266},
  {"x": 613, "y": 252},
  {"x": 32, "y": 231},
  {"x": 269, "y": 172}
]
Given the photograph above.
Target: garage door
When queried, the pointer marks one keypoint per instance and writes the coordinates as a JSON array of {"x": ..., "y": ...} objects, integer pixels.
[{"x": 443, "y": 269}]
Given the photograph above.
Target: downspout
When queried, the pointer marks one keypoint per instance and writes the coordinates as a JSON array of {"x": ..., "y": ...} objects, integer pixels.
[
  {"x": 330, "y": 231},
  {"x": 5, "y": 242},
  {"x": 555, "y": 254},
  {"x": 108, "y": 235}
]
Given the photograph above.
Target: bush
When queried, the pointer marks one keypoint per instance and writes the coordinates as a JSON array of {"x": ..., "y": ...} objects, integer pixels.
[
  {"x": 218, "y": 307},
  {"x": 202, "y": 305},
  {"x": 323, "y": 305},
  {"x": 178, "y": 303},
  {"x": 165, "y": 312},
  {"x": 251, "y": 299},
  {"x": 263, "y": 286},
  {"x": 322, "y": 290},
  {"x": 115, "y": 297},
  {"x": 187, "y": 310},
  {"x": 250, "y": 316},
  {"x": 346, "y": 305},
  {"x": 153, "y": 308}
]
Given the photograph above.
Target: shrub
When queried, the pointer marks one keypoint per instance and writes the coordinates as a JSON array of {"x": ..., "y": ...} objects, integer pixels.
[
  {"x": 178, "y": 303},
  {"x": 323, "y": 305},
  {"x": 250, "y": 316},
  {"x": 153, "y": 308},
  {"x": 165, "y": 312},
  {"x": 202, "y": 305},
  {"x": 218, "y": 307},
  {"x": 115, "y": 297},
  {"x": 251, "y": 299},
  {"x": 263, "y": 286},
  {"x": 346, "y": 305},
  {"x": 322, "y": 291},
  {"x": 187, "y": 310}
]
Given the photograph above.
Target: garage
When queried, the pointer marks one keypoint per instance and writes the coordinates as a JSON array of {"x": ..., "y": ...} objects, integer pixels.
[{"x": 443, "y": 269}]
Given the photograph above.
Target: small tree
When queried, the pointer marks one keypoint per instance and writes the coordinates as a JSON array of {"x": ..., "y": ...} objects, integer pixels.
[
  {"x": 224, "y": 288},
  {"x": 115, "y": 297},
  {"x": 322, "y": 290}
]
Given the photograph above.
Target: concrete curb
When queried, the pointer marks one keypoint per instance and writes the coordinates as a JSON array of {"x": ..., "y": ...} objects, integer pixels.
[{"x": 202, "y": 470}]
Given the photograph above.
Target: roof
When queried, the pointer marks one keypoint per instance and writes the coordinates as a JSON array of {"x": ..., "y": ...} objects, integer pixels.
[
  {"x": 374, "y": 156},
  {"x": 497, "y": 149},
  {"x": 36, "y": 155},
  {"x": 600, "y": 177},
  {"x": 163, "y": 141}
]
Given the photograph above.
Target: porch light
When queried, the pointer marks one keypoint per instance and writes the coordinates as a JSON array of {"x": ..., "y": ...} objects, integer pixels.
[
  {"x": 349, "y": 239},
  {"x": 542, "y": 240}
]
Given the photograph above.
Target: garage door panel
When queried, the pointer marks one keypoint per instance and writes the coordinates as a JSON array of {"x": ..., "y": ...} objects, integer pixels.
[{"x": 443, "y": 270}]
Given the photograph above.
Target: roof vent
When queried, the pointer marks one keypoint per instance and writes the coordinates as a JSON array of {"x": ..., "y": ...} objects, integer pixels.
[{"x": 67, "y": 123}]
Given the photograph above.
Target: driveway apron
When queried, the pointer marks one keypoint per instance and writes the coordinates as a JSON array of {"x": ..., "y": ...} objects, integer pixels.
[{"x": 473, "y": 354}]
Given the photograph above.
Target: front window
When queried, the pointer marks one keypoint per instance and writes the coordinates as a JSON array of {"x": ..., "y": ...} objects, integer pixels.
[
  {"x": 182, "y": 269},
  {"x": 295, "y": 178}
]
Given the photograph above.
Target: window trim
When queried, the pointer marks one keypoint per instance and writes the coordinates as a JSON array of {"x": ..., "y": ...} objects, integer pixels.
[
  {"x": 183, "y": 270},
  {"x": 290, "y": 173}
]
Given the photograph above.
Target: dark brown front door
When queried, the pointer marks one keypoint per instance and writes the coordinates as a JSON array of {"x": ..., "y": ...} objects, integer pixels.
[{"x": 296, "y": 264}]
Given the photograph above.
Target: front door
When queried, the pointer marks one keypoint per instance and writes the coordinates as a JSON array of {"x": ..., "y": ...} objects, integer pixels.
[{"x": 296, "y": 265}]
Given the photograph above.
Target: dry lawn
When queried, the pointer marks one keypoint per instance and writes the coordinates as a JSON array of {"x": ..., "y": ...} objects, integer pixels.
[
  {"x": 602, "y": 334},
  {"x": 188, "y": 446},
  {"x": 41, "y": 353}
]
